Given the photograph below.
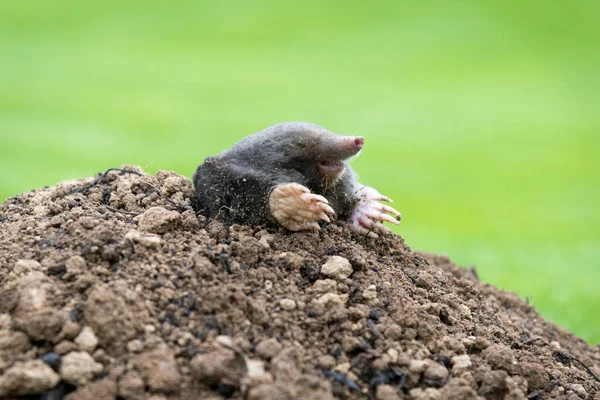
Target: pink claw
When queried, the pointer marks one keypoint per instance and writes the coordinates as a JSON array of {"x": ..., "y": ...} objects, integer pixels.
[
  {"x": 370, "y": 213},
  {"x": 296, "y": 209}
]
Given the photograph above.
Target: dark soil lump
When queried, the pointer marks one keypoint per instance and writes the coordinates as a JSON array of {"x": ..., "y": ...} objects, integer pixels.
[{"x": 114, "y": 288}]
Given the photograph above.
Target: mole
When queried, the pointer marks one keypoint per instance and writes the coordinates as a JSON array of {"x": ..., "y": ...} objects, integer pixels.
[{"x": 294, "y": 174}]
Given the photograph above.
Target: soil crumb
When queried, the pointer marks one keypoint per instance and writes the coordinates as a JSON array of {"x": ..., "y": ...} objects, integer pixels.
[{"x": 114, "y": 288}]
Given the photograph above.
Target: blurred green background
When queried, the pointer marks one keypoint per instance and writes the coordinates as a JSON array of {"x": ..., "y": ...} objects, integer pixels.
[{"x": 481, "y": 120}]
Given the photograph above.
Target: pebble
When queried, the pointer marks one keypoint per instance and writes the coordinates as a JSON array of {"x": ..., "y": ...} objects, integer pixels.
[
  {"x": 343, "y": 368},
  {"x": 78, "y": 368},
  {"x": 326, "y": 361},
  {"x": 461, "y": 363},
  {"x": 386, "y": 392},
  {"x": 65, "y": 347},
  {"x": 135, "y": 346},
  {"x": 87, "y": 340},
  {"x": 436, "y": 372},
  {"x": 287, "y": 304},
  {"x": 324, "y": 286},
  {"x": 52, "y": 359},
  {"x": 393, "y": 354},
  {"x": 268, "y": 348},
  {"x": 370, "y": 293},
  {"x": 30, "y": 377},
  {"x": 148, "y": 240},
  {"x": 425, "y": 394},
  {"x": 333, "y": 300},
  {"x": 416, "y": 366},
  {"x": 337, "y": 267}
]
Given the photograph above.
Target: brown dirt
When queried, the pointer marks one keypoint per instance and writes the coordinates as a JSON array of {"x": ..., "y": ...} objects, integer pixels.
[{"x": 98, "y": 302}]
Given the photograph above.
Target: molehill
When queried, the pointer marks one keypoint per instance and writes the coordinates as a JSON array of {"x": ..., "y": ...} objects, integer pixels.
[{"x": 112, "y": 287}]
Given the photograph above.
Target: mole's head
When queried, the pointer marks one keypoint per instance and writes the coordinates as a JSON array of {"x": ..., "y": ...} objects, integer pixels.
[{"x": 311, "y": 149}]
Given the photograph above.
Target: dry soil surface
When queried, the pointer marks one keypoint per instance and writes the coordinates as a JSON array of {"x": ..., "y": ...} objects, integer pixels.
[{"x": 118, "y": 290}]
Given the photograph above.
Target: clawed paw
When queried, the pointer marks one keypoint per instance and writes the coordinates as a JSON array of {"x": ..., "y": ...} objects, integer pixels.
[
  {"x": 297, "y": 209},
  {"x": 370, "y": 213}
]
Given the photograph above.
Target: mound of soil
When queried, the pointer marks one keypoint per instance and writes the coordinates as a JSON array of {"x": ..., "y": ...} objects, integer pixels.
[{"x": 113, "y": 288}]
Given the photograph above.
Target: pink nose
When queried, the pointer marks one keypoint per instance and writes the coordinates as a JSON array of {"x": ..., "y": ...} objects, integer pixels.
[{"x": 359, "y": 142}]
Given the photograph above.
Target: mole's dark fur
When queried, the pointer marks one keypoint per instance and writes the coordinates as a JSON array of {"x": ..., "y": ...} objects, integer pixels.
[{"x": 235, "y": 185}]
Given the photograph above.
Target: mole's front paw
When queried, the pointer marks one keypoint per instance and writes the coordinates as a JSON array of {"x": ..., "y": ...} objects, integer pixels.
[
  {"x": 297, "y": 209},
  {"x": 369, "y": 213}
]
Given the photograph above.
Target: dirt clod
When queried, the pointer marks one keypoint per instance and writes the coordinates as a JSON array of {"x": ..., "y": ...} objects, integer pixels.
[
  {"x": 113, "y": 287},
  {"x": 29, "y": 377},
  {"x": 78, "y": 368}
]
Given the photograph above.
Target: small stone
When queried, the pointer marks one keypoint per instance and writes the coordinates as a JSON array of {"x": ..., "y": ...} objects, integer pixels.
[
  {"x": 386, "y": 392},
  {"x": 269, "y": 391},
  {"x": 268, "y": 348},
  {"x": 416, "y": 366},
  {"x": 103, "y": 389},
  {"x": 151, "y": 242},
  {"x": 101, "y": 357},
  {"x": 337, "y": 267},
  {"x": 76, "y": 264},
  {"x": 382, "y": 363},
  {"x": 436, "y": 372},
  {"x": 324, "y": 286},
  {"x": 555, "y": 345},
  {"x": 393, "y": 355},
  {"x": 287, "y": 304},
  {"x": 425, "y": 394},
  {"x": 87, "y": 340},
  {"x": 210, "y": 368},
  {"x": 350, "y": 344},
  {"x": 263, "y": 234},
  {"x": 78, "y": 368},
  {"x": 333, "y": 300},
  {"x": 326, "y": 361},
  {"x": 30, "y": 377},
  {"x": 461, "y": 363},
  {"x": 52, "y": 359},
  {"x": 64, "y": 347},
  {"x": 370, "y": 293},
  {"x": 135, "y": 346},
  {"x": 70, "y": 330},
  {"x": 343, "y": 368},
  {"x": 147, "y": 240}
]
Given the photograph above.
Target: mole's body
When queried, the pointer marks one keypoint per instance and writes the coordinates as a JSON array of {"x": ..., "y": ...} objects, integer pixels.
[{"x": 291, "y": 174}]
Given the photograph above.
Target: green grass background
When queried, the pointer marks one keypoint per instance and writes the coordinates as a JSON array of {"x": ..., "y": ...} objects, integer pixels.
[{"x": 481, "y": 120}]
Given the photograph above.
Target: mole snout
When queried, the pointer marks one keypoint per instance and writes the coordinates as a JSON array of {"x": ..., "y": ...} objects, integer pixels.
[
  {"x": 353, "y": 144},
  {"x": 359, "y": 142}
]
